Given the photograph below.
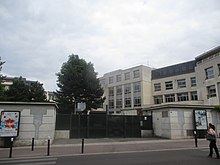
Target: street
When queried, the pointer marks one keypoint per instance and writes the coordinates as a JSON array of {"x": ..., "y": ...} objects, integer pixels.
[{"x": 151, "y": 157}]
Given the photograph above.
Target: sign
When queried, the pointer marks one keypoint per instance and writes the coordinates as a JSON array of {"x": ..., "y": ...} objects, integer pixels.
[
  {"x": 200, "y": 119},
  {"x": 9, "y": 123}
]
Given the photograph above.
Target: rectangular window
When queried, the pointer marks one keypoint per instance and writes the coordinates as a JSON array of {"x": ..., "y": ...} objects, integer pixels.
[
  {"x": 211, "y": 91},
  {"x": 136, "y": 74},
  {"x": 111, "y": 91},
  {"x": 194, "y": 95},
  {"x": 209, "y": 72},
  {"x": 170, "y": 98},
  {"x": 157, "y": 87},
  {"x": 118, "y": 78},
  {"x": 118, "y": 103},
  {"x": 219, "y": 69},
  {"x": 158, "y": 99},
  {"x": 182, "y": 97},
  {"x": 169, "y": 85},
  {"x": 181, "y": 83},
  {"x": 127, "y": 88},
  {"x": 111, "y": 80},
  {"x": 137, "y": 87},
  {"x": 164, "y": 114},
  {"x": 127, "y": 102},
  {"x": 111, "y": 104},
  {"x": 193, "y": 81},
  {"x": 137, "y": 101},
  {"x": 119, "y": 90},
  {"x": 127, "y": 76}
]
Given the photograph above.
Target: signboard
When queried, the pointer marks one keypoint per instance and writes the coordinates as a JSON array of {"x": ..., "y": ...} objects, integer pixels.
[
  {"x": 200, "y": 119},
  {"x": 9, "y": 123}
]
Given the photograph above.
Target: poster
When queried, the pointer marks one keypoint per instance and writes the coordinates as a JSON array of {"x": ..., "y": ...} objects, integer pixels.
[
  {"x": 200, "y": 119},
  {"x": 9, "y": 123}
]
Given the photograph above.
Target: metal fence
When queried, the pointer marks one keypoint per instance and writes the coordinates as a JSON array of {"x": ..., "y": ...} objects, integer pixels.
[{"x": 102, "y": 125}]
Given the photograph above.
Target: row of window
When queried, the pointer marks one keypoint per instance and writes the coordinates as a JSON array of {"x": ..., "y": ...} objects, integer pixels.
[
  {"x": 127, "y": 89},
  {"x": 127, "y": 103},
  {"x": 127, "y": 76},
  {"x": 172, "y": 97},
  {"x": 180, "y": 84}
]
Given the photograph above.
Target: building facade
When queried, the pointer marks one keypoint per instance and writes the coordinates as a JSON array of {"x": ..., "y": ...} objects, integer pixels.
[
  {"x": 127, "y": 91},
  {"x": 170, "y": 94}
]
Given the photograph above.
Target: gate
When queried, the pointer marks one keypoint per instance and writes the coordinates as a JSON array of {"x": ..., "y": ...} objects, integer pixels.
[{"x": 103, "y": 126}]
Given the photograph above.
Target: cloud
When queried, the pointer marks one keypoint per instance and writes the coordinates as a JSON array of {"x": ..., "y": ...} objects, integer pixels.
[{"x": 38, "y": 36}]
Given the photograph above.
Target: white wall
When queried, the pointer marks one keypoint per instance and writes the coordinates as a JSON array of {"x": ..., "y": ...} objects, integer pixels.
[{"x": 37, "y": 121}]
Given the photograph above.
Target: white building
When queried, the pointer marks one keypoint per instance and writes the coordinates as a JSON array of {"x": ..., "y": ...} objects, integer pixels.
[{"x": 170, "y": 93}]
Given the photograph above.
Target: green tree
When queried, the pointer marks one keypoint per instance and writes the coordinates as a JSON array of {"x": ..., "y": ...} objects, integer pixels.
[
  {"x": 22, "y": 91},
  {"x": 78, "y": 82},
  {"x": 2, "y": 90},
  {"x": 37, "y": 92}
]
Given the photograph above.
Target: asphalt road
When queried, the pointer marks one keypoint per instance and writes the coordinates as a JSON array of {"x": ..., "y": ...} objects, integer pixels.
[{"x": 197, "y": 156}]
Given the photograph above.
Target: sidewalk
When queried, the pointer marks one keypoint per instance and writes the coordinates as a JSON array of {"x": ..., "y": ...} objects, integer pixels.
[{"x": 63, "y": 147}]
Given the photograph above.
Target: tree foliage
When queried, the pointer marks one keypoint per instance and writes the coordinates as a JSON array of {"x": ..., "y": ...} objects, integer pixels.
[
  {"x": 25, "y": 92},
  {"x": 78, "y": 82},
  {"x": 2, "y": 91}
]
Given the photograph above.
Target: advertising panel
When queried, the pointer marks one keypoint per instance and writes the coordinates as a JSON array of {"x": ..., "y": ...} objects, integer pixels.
[
  {"x": 200, "y": 119},
  {"x": 9, "y": 123}
]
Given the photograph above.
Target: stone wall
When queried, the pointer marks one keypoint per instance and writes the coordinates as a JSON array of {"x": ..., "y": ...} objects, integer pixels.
[
  {"x": 177, "y": 121},
  {"x": 37, "y": 121}
]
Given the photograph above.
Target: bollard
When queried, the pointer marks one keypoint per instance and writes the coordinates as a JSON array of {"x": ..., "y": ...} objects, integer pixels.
[
  {"x": 10, "y": 153},
  {"x": 82, "y": 146},
  {"x": 48, "y": 146},
  {"x": 196, "y": 140},
  {"x": 32, "y": 145}
]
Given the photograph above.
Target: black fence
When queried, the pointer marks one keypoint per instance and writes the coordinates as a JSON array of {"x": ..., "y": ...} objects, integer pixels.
[{"x": 102, "y": 125}]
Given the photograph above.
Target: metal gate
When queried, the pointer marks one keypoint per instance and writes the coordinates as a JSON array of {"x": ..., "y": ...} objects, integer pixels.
[{"x": 103, "y": 126}]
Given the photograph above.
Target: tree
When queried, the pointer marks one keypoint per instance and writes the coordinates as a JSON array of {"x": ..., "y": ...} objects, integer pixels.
[
  {"x": 78, "y": 82},
  {"x": 20, "y": 90},
  {"x": 2, "y": 91}
]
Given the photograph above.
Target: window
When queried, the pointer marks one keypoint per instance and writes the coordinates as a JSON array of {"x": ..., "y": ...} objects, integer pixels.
[
  {"x": 119, "y": 90},
  {"x": 157, "y": 87},
  {"x": 164, "y": 114},
  {"x": 181, "y": 83},
  {"x": 137, "y": 101},
  {"x": 111, "y": 104},
  {"x": 118, "y": 78},
  {"x": 136, "y": 74},
  {"x": 127, "y": 76},
  {"x": 211, "y": 91},
  {"x": 169, "y": 85},
  {"x": 219, "y": 69},
  {"x": 194, "y": 95},
  {"x": 111, "y": 91},
  {"x": 170, "y": 98},
  {"x": 127, "y": 102},
  {"x": 137, "y": 87},
  {"x": 182, "y": 97},
  {"x": 111, "y": 80},
  {"x": 119, "y": 103},
  {"x": 209, "y": 72},
  {"x": 158, "y": 99},
  {"x": 193, "y": 81},
  {"x": 127, "y": 88}
]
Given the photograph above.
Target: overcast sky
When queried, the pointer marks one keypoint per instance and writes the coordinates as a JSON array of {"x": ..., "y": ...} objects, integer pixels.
[{"x": 37, "y": 36}]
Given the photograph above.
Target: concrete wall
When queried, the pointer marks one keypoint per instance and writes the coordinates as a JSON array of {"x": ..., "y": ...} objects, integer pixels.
[
  {"x": 177, "y": 122},
  {"x": 37, "y": 121}
]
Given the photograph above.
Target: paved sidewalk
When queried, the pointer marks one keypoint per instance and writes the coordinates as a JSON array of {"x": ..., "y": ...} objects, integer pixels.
[{"x": 97, "y": 146}]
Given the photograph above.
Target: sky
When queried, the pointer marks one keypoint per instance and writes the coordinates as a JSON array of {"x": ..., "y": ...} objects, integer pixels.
[{"x": 37, "y": 36}]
